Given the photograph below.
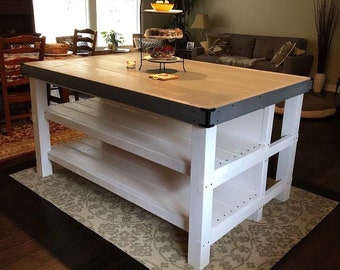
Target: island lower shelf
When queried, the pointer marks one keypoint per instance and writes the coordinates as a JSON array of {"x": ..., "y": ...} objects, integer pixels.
[
  {"x": 155, "y": 188},
  {"x": 167, "y": 141}
]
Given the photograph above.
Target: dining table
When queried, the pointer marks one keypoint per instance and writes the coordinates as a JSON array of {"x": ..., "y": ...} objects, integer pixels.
[{"x": 193, "y": 150}]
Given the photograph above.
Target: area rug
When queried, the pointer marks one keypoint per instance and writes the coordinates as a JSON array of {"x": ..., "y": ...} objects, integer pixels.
[
  {"x": 21, "y": 141},
  {"x": 160, "y": 245}
]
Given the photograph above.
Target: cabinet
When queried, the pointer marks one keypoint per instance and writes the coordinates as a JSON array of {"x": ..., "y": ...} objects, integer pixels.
[
  {"x": 16, "y": 17},
  {"x": 174, "y": 12}
]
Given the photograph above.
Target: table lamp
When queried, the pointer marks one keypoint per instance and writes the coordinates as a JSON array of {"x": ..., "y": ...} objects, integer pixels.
[{"x": 201, "y": 22}]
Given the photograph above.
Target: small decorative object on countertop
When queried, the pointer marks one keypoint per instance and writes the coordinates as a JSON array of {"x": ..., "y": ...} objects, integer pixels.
[
  {"x": 131, "y": 64},
  {"x": 162, "y": 5},
  {"x": 163, "y": 76}
]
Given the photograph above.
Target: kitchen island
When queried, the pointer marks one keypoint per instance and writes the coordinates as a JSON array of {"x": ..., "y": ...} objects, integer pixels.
[{"x": 193, "y": 150}]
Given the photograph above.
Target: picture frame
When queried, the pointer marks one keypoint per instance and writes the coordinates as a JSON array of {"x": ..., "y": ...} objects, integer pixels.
[{"x": 190, "y": 45}]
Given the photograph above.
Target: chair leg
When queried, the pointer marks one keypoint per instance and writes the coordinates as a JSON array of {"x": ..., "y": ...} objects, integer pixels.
[
  {"x": 8, "y": 122},
  {"x": 8, "y": 126},
  {"x": 64, "y": 94},
  {"x": 76, "y": 96}
]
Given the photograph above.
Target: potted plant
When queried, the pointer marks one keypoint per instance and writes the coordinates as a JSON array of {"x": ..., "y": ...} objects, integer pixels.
[
  {"x": 113, "y": 39},
  {"x": 326, "y": 20}
]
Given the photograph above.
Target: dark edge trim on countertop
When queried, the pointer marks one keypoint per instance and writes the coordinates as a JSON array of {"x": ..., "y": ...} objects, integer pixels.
[
  {"x": 186, "y": 113},
  {"x": 237, "y": 109}
]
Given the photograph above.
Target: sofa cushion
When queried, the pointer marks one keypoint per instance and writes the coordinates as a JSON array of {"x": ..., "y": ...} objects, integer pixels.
[
  {"x": 267, "y": 66},
  {"x": 282, "y": 53},
  {"x": 242, "y": 45},
  {"x": 238, "y": 61},
  {"x": 297, "y": 51},
  {"x": 207, "y": 58}
]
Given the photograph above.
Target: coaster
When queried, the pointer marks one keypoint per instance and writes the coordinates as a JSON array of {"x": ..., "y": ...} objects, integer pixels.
[{"x": 163, "y": 76}]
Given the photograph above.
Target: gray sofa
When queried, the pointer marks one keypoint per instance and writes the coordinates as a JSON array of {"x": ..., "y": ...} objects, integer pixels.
[{"x": 259, "y": 51}]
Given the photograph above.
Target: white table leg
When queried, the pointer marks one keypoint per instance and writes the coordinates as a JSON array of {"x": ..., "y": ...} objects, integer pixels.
[
  {"x": 266, "y": 132},
  {"x": 41, "y": 126},
  {"x": 290, "y": 126},
  {"x": 201, "y": 195}
]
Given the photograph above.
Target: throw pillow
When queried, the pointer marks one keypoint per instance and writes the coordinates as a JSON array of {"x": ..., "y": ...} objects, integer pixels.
[
  {"x": 218, "y": 44},
  {"x": 204, "y": 45},
  {"x": 297, "y": 51},
  {"x": 219, "y": 47},
  {"x": 282, "y": 53}
]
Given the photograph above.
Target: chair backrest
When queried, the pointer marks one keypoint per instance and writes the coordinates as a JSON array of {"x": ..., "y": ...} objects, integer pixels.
[
  {"x": 84, "y": 41},
  {"x": 15, "y": 51},
  {"x": 15, "y": 88}
]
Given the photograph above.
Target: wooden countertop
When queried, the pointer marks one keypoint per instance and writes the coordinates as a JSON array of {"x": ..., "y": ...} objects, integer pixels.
[{"x": 206, "y": 94}]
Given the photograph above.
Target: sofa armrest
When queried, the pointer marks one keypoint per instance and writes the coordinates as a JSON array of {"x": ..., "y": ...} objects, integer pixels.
[
  {"x": 298, "y": 65},
  {"x": 196, "y": 51}
]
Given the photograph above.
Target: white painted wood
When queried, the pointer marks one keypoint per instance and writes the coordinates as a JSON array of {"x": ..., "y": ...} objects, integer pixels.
[
  {"x": 40, "y": 126},
  {"x": 265, "y": 139},
  {"x": 153, "y": 137},
  {"x": 234, "y": 175},
  {"x": 290, "y": 126},
  {"x": 223, "y": 226},
  {"x": 158, "y": 138},
  {"x": 201, "y": 195},
  {"x": 159, "y": 190}
]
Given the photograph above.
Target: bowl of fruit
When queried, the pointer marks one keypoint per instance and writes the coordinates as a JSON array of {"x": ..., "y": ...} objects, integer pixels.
[
  {"x": 164, "y": 52},
  {"x": 163, "y": 6}
]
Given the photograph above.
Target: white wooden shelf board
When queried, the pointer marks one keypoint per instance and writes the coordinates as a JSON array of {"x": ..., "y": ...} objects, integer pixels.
[
  {"x": 221, "y": 226},
  {"x": 158, "y": 138},
  {"x": 155, "y": 188},
  {"x": 224, "y": 170}
]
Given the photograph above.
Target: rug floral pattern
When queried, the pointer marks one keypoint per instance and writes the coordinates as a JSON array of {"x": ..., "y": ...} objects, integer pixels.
[
  {"x": 160, "y": 245},
  {"x": 21, "y": 141}
]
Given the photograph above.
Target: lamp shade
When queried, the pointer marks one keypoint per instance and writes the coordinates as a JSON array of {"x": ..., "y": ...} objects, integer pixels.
[{"x": 201, "y": 21}]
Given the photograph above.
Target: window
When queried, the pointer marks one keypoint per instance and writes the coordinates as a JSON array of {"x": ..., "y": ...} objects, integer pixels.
[
  {"x": 119, "y": 15},
  {"x": 59, "y": 17},
  {"x": 64, "y": 16}
]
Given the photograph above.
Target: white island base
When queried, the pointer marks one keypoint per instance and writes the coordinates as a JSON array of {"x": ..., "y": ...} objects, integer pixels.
[{"x": 203, "y": 180}]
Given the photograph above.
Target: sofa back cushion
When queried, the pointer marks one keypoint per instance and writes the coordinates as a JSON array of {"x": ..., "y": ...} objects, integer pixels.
[
  {"x": 266, "y": 46},
  {"x": 242, "y": 45}
]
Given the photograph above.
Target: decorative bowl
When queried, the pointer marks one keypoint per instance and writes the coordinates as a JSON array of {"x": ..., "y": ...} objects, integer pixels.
[
  {"x": 162, "y": 6},
  {"x": 164, "y": 52}
]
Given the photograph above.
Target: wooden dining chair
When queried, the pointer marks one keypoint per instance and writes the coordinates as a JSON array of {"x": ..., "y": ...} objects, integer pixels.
[
  {"x": 15, "y": 87},
  {"x": 56, "y": 93},
  {"x": 84, "y": 42}
]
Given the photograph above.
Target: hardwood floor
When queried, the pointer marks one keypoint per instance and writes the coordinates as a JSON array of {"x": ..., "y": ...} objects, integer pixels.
[
  {"x": 317, "y": 169},
  {"x": 36, "y": 235}
]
